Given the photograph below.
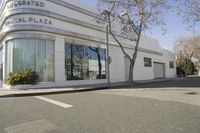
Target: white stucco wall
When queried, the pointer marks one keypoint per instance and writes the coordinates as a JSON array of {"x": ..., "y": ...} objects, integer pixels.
[
  {"x": 167, "y": 57},
  {"x": 77, "y": 24}
]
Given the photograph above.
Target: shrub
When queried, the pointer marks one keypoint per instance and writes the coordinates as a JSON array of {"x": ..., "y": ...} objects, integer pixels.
[
  {"x": 26, "y": 76},
  {"x": 185, "y": 67}
]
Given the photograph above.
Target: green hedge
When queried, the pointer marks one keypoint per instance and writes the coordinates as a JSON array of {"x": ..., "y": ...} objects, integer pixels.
[
  {"x": 185, "y": 67},
  {"x": 26, "y": 76}
]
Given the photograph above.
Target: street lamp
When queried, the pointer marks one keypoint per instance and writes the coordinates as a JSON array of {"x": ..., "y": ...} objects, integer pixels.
[
  {"x": 108, "y": 56},
  {"x": 107, "y": 42},
  {"x": 123, "y": 14}
]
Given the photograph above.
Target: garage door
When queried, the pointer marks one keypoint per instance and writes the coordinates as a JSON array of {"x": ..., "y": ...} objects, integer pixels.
[{"x": 159, "y": 70}]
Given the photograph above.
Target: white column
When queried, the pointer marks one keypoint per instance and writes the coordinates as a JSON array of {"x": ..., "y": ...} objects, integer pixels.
[
  {"x": 4, "y": 60},
  {"x": 59, "y": 59}
]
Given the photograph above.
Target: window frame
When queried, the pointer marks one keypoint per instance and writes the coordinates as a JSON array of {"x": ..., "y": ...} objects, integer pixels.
[
  {"x": 171, "y": 64},
  {"x": 36, "y": 44},
  {"x": 149, "y": 62},
  {"x": 90, "y": 57}
]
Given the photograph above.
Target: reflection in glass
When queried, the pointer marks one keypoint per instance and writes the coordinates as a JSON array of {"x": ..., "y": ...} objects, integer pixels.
[
  {"x": 84, "y": 62},
  {"x": 36, "y": 54}
]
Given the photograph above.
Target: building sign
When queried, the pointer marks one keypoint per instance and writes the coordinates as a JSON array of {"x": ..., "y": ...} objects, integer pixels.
[
  {"x": 23, "y": 20},
  {"x": 20, "y": 3}
]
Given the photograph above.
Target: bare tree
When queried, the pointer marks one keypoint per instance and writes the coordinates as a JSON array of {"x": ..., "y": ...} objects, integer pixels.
[
  {"x": 134, "y": 17},
  {"x": 190, "y": 10},
  {"x": 188, "y": 47}
]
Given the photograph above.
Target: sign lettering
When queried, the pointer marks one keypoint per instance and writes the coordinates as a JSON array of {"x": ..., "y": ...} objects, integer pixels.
[
  {"x": 15, "y": 4},
  {"x": 28, "y": 20}
]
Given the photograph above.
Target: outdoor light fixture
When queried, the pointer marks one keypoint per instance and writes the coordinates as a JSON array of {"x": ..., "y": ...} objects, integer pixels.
[{"x": 123, "y": 14}]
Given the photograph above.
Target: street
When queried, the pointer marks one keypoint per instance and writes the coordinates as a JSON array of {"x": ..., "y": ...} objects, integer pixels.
[{"x": 164, "y": 107}]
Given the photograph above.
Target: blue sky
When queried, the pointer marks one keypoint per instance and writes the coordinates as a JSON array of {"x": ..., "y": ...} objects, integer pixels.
[
  {"x": 175, "y": 28},
  {"x": 174, "y": 25}
]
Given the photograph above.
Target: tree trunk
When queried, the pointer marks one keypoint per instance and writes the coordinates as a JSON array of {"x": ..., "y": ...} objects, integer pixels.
[
  {"x": 132, "y": 61},
  {"x": 130, "y": 79}
]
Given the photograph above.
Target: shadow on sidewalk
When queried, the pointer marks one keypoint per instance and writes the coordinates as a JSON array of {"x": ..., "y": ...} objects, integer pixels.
[{"x": 192, "y": 82}]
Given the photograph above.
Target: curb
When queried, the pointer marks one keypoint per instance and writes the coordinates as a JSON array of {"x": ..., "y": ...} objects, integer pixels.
[
  {"x": 51, "y": 92},
  {"x": 153, "y": 81},
  {"x": 16, "y": 93}
]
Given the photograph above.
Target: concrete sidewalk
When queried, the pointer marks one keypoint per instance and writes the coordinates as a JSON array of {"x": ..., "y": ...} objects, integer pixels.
[{"x": 48, "y": 91}]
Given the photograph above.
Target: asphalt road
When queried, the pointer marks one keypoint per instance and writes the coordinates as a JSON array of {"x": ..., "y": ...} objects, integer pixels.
[{"x": 140, "y": 110}]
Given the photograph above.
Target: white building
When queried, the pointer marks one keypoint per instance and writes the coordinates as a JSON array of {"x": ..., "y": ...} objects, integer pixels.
[{"x": 64, "y": 43}]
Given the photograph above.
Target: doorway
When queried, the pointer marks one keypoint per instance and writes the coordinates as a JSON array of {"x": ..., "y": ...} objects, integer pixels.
[{"x": 159, "y": 70}]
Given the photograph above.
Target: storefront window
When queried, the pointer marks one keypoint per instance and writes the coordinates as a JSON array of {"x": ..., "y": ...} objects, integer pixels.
[
  {"x": 36, "y": 54},
  {"x": 84, "y": 62}
]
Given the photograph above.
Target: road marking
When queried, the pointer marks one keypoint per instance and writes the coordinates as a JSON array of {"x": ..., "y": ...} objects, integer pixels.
[
  {"x": 37, "y": 126},
  {"x": 64, "y": 105}
]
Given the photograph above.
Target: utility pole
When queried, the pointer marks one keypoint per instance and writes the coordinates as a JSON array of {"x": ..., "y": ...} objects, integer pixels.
[{"x": 108, "y": 56}]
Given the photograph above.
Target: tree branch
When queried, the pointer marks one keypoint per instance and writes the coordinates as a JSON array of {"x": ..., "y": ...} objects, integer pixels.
[
  {"x": 134, "y": 27},
  {"x": 137, "y": 43},
  {"x": 121, "y": 46}
]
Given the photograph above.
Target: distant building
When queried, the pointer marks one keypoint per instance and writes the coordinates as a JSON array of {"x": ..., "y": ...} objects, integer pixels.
[{"x": 64, "y": 43}]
